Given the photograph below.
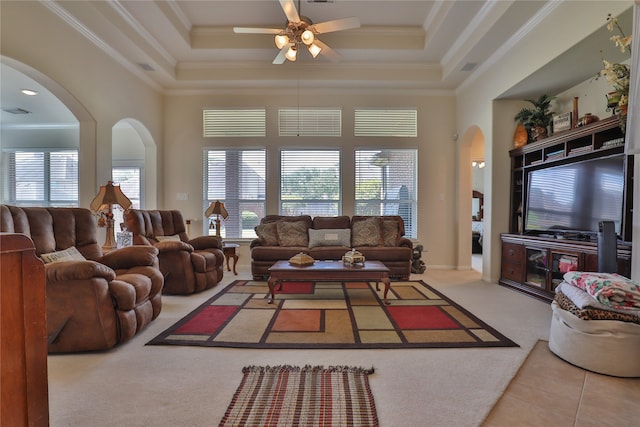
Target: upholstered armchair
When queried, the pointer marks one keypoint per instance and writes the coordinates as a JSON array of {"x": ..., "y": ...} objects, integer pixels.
[
  {"x": 188, "y": 265},
  {"x": 94, "y": 300}
]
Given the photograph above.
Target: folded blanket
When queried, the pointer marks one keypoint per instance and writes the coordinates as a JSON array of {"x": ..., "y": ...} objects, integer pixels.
[
  {"x": 589, "y": 313},
  {"x": 583, "y": 300},
  {"x": 610, "y": 289}
]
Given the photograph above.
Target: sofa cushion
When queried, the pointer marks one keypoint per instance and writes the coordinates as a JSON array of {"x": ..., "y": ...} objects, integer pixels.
[
  {"x": 329, "y": 237},
  {"x": 69, "y": 254},
  {"x": 366, "y": 232},
  {"x": 390, "y": 232},
  {"x": 322, "y": 222},
  {"x": 268, "y": 233},
  {"x": 293, "y": 233}
]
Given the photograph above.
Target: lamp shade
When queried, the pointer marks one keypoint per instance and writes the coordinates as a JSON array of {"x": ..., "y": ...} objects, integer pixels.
[
  {"x": 110, "y": 195},
  {"x": 216, "y": 208}
]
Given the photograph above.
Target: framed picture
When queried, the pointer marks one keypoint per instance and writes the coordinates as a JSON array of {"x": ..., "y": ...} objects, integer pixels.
[
  {"x": 124, "y": 238},
  {"x": 561, "y": 122}
]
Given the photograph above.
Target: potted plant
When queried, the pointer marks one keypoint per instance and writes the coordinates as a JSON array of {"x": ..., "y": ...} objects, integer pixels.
[{"x": 537, "y": 119}]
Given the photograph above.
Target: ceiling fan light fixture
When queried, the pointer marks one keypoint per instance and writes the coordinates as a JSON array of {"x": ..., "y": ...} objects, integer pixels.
[
  {"x": 314, "y": 50},
  {"x": 307, "y": 37},
  {"x": 291, "y": 54},
  {"x": 281, "y": 40}
]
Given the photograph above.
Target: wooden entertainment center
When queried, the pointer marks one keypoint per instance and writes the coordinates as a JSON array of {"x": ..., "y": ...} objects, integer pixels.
[{"x": 535, "y": 263}]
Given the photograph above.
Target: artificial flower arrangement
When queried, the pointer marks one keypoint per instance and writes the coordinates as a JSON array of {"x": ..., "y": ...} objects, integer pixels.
[{"x": 617, "y": 74}]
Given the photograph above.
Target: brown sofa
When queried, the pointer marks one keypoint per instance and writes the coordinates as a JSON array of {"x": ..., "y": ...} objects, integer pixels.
[
  {"x": 378, "y": 238},
  {"x": 189, "y": 265},
  {"x": 95, "y": 303}
]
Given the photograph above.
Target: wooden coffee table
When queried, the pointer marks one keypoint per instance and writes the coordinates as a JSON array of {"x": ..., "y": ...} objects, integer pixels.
[{"x": 282, "y": 271}]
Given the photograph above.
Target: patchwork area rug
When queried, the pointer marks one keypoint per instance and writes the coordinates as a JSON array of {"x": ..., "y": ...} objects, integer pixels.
[
  {"x": 331, "y": 315},
  {"x": 310, "y": 396}
]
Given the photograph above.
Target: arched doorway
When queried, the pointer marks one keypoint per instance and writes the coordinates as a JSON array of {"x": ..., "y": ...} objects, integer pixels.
[
  {"x": 133, "y": 166},
  {"x": 54, "y": 120}
]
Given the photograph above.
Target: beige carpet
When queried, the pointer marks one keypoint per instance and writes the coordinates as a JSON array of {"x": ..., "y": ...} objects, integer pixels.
[{"x": 138, "y": 385}]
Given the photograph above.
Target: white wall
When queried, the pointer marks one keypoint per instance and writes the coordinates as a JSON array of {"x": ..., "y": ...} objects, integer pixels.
[
  {"x": 97, "y": 89},
  {"x": 436, "y": 180},
  {"x": 563, "y": 26}
]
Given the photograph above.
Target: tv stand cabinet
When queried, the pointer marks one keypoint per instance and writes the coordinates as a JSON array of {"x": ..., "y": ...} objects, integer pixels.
[
  {"x": 601, "y": 139},
  {"x": 535, "y": 265}
]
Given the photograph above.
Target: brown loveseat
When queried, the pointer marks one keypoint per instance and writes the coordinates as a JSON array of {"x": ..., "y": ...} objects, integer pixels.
[
  {"x": 329, "y": 238},
  {"x": 189, "y": 265},
  {"x": 92, "y": 303}
]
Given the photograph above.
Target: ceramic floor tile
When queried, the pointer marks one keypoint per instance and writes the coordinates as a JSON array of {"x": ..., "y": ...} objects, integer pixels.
[{"x": 549, "y": 391}]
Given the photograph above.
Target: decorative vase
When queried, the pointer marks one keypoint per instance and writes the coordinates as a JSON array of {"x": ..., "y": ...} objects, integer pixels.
[{"x": 520, "y": 137}]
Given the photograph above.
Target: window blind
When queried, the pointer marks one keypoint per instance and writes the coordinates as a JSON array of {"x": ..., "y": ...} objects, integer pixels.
[
  {"x": 310, "y": 182},
  {"x": 386, "y": 122},
  {"x": 386, "y": 184},
  {"x": 234, "y": 123},
  {"x": 310, "y": 122},
  {"x": 237, "y": 178},
  {"x": 129, "y": 180},
  {"x": 41, "y": 178}
]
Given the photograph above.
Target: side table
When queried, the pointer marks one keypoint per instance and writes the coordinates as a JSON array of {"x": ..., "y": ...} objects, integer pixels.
[{"x": 229, "y": 250}]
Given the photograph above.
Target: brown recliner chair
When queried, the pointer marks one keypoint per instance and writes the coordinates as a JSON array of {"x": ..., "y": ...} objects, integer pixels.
[
  {"x": 188, "y": 265},
  {"x": 95, "y": 303}
]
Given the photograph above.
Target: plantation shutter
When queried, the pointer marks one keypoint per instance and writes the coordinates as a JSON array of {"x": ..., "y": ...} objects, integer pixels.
[
  {"x": 234, "y": 123},
  {"x": 386, "y": 122},
  {"x": 310, "y": 122}
]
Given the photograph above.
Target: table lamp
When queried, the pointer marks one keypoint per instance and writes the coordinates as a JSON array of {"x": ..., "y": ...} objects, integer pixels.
[
  {"x": 218, "y": 209},
  {"x": 108, "y": 196}
]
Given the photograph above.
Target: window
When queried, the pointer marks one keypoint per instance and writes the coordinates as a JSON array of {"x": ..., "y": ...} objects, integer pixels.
[
  {"x": 130, "y": 182},
  {"x": 41, "y": 178},
  {"x": 386, "y": 184},
  {"x": 236, "y": 177},
  {"x": 310, "y": 122},
  {"x": 234, "y": 123},
  {"x": 310, "y": 182},
  {"x": 386, "y": 122}
]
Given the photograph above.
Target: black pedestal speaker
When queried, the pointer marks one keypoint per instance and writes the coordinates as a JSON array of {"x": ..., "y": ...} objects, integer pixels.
[{"x": 607, "y": 248}]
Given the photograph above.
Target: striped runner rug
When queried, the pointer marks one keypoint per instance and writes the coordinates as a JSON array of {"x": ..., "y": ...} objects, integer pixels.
[{"x": 308, "y": 396}]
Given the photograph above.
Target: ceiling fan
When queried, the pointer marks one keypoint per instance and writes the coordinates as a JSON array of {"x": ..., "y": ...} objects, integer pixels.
[{"x": 301, "y": 32}]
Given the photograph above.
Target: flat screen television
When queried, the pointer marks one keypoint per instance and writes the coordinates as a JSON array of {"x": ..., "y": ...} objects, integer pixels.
[{"x": 576, "y": 197}]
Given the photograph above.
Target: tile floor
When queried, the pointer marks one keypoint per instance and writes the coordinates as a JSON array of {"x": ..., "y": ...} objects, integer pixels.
[{"x": 547, "y": 391}]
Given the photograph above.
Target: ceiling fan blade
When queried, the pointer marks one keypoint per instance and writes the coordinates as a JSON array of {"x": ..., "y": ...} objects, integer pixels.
[
  {"x": 336, "y": 25},
  {"x": 290, "y": 10},
  {"x": 331, "y": 54},
  {"x": 246, "y": 30},
  {"x": 280, "y": 58}
]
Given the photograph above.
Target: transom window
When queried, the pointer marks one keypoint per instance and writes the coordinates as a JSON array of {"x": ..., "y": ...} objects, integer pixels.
[{"x": 310, "y": 182}]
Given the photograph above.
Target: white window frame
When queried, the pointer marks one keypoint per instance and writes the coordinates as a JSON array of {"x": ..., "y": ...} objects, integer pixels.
[
  {"x": 380, "y": 191},
  {"x": 244, "y": 212},
  {"x": 9, "y": 192}
]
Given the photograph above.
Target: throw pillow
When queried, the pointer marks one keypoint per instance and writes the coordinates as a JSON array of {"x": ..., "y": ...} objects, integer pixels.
[
  {"x": 390, "y": 232},
  {"x": 292, "y": 233},
  {"x": 70, "y": 254},
  {"x": 329, "y": 237},
  {"x": 366, "y": 232},
  {"x": 268, "y": 233},
  {"x": 175, "y": 237}
]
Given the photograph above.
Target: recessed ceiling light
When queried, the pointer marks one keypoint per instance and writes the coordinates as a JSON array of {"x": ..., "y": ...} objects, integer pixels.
[{"x": 29, "y": 92}]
